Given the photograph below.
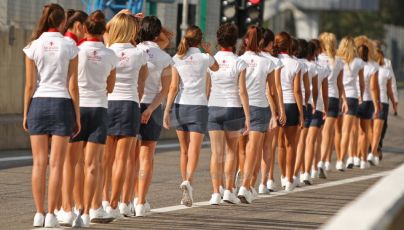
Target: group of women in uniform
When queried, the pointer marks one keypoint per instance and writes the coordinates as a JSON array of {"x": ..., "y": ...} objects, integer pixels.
[{"x": 94, "y": 93}]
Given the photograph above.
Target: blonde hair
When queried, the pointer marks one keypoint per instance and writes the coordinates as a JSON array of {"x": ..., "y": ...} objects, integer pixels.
[
  {"x": 347, "y": 50},
  {"x": 328, "y": 43},
  {"x": 193, "y": 37},
  {"x": 364, "y": 40},
  {"x": 123, "y": 28}
]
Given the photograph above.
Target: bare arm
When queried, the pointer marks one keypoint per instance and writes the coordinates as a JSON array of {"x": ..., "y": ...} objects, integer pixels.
[
  {"x": 30, "y": 87},
  {"x": 279, "y": 93},
  {"x": 361, "y": 84},
  {"x": 341, "y": 90},
  {"x": 314, "y": 83},
  {"x": 207, "y": 47},
  {"x": 208, "y": 85},
  {"x": 390, "y": 93},
  {"x": 74, "y": 90},
  {"x": 271, "y": 93},
  {"x": 244, "y": 100},
  {"x": 298, "y": 96},
  {"x": 375, "y": 92},
  {"x": 173, "y": 90},
  {"x": 324, "y": 90},
  {"x": 143, "y": 73},
  {"x": 111, "y": 81},
  {"x": 306, "y": 85}
]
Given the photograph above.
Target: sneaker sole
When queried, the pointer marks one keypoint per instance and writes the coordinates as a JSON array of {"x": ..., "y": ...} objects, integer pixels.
[
  {"x": 306, "y": 182},
  {"x": 243, "y": 199},
  {"x": 63, "y": 224},
  {"x": 321, "y": 174},
  {"x": 371, "y": 163},
  {"x": 101, "y": 220},
  {"x": 230, "y": 202},
  {"x": 186, "y": 199},
  {"x": 350, "y": 166}
]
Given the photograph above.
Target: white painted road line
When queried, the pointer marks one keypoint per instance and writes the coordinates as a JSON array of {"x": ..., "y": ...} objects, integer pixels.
[
  {"x": 159, "y": 146},
  {"x": 282, "y": 193}
]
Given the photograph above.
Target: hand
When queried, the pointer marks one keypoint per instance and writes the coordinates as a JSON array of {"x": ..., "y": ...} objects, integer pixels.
[
  {"x": 77, "y": 127},
  {"x": 25, "y": 124},
  {"x": 314, "y": 110},
  {"x": 344, "y": 106},
  {"x": 207, "y": 47},
  {"x": 282, "y": 118},
  {"x": 301, "y": 118},
  {"x": 166, "y": 120},
  {"x": 144, "y": 119},
  {"x": 246, "y": 127},
  {"x": 395, "y": 105},
  {"x": 139, "y": 15},
  {"x": 377, "y": 111},
  {"x": 324, "y": 115},
  {"x": 273, "y": 123}
]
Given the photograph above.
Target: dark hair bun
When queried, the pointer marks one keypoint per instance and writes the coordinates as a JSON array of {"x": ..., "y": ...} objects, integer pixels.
[
  {"x": 96, "y": 23},
  {"x": 227, "y": 35}
]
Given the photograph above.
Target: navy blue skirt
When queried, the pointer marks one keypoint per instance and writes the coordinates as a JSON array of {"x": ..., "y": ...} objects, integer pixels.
[
  {"x": 226, "y": 118},
  {"x": 366, "y": 110},
  {"x": 333, "y": 107},
  {"x": 317, "y": 119},
  {"x": 152, "y": 130},
  {"x": 93, "y": 125},
  {"x": 190, "y": 118},
  {"x": 51, "y": 116},
  {"x": 292, "y": 114},
  {"x": 384, "y": 112},
  {"x": 308, "y": 115},
  {"x": 353, "y": 106},
  {"x": 123, "y": 118}
]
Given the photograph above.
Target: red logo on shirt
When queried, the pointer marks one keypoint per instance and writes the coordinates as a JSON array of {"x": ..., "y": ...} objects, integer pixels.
[
  {"x": 93, "y": 56},
  {"x": 50, "y": 47},
  {"x": 123, "y": 60},
  {"x": 224, "y": 64},
  {"x": 252, "y": 64}
]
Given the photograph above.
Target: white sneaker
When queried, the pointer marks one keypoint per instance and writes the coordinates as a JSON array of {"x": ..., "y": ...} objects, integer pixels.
[
  {"x": 327, "y": 166},
  {"x": 376, "y": 161},
  {"x": 146, "y": 204},
  {"x": 65, "y": 218},
  {"x": 350, "y": 163},
  {"x": 357, "y": 162},
  {"x": 140, "y": 210},
  {"x": 76, "y": 211},
  {"x": 322, "y": 174},
  {"x": 254, "y": 193},
  {"x": 363, "y": 165},
  {"x": 100, "y": 216},
  {"x": 85, "y": 221},
  {"x": 124, "y": 209},
  {"x": 230, "y": 197},
  {"x": 51, "y": 221},
  {"x": 306, "y": 179},
  {"x": 271, "y": 186},
  {"x": 301, "y": 178},
  {"x": 186, "y": 193},
  {"x": 39, "y": 220},
  {"x": 221, "y": 191},
  {"x": 105, "y": 204},
  {"x": 114, "y": 212},
  {"x": 340, "y": 166},
  {"x": 245, "y": 195},
  {"x": 262, "y": 189},
  {"x": 283, "y": 182},
  {"x": 296, "y": 181},
  {"x": 289, "y": 186},
  {"x": 215, "y": 199}
]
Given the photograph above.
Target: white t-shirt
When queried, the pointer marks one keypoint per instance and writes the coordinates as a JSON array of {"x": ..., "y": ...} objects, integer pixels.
[
  {"x": 304, "y": 68},
  {"x": 336, "y": 67},
  {"x": 258, "y": 68},
  {"x": 192, "y": 68},
  {"x": 288, "y": 73},
  {"x": 278, "y": 64},
  {"x": 225, "y": 82},
  {"x": 157, "y": 61},
  {"x": 131, "y": 59},
  {"x": 52, "y": 54},
  {"x": 369, "y": 70},
  {"x": 95, "y": 65},
  {"x": 351, "y": 72},
  {"x": 322, "y": 73},
  {"x": 385, "y": 74}
]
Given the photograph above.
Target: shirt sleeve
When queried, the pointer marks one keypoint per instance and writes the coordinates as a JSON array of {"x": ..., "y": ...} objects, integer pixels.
[
  {"x": 74, "y": 50},
  {"x": 29, "y": 50},
  {"x": 241, "y": 65},
  {"x": 144, "y": 57},
  {"x": 278, "y": 64},
  {"x": 211, "y": 60}
]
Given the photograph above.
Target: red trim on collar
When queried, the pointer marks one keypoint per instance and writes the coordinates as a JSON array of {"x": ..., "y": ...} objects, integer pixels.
[
  {"x": 53, "y": 30},
  {"x": 283, "y": 53},
  {"x": 72, "y": 36},
  {"x": 226, "y": 49}
]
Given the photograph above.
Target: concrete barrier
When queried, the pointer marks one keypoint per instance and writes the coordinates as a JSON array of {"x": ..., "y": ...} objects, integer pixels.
[{"x": 378, "y": 208}]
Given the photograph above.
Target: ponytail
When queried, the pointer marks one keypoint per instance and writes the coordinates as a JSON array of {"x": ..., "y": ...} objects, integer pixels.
[
  {"x": 192, "y": 38},
  {"x": 52, "y": 16},
  {"x": 251, "y": 40},
  {"x": 282, "y": 43},
  {"x": 73, "y": 16},
  {"x": 95, "y": 23}
]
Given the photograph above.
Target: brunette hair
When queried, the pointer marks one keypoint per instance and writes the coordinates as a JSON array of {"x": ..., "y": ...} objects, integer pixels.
[
  {"x": 363, "y": 52},
  {"x": 227, "y": 35},
  {"x": 267, "y": 37},
  {"x": 282, "y": 43},
  {"x": 150, "y": 28},
  {"x": 293, "y": 47},
  {"x": 380, "y": 57},
  {"x": 95, "y": 23},
  {"x": 52, "y": 16},
  {"x": 301, "y": 48},
  {"x": 73, "y": 16},
  {"x": 192, "y": 38},
  {"x": 251, "y": 40},
  {"x": 311, "y": 50}
]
